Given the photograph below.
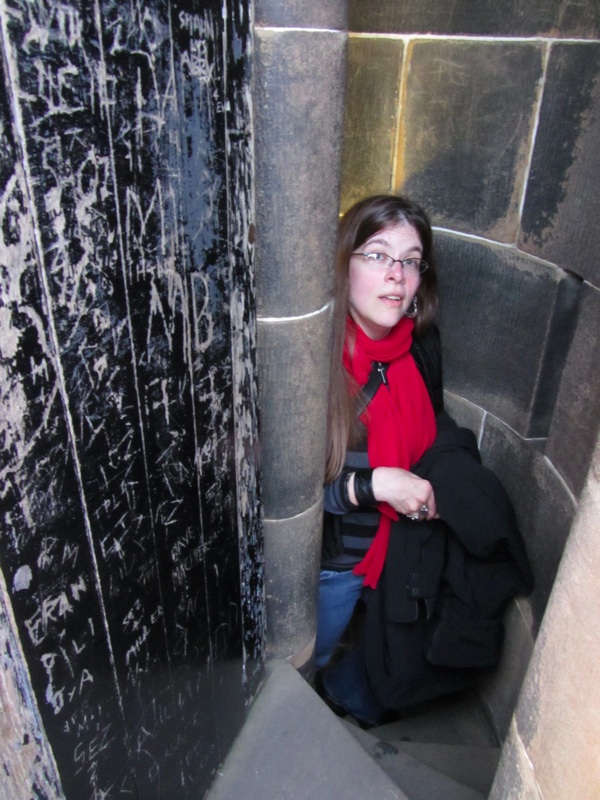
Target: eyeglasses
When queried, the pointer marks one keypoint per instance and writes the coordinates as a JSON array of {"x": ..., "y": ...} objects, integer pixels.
[{"x": 410, "y": 266}]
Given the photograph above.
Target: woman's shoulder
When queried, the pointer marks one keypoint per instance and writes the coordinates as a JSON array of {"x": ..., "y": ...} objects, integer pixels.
[
  {"x": 427, "y": 345},
  {"x": 426, "y": 349},
  {"x": 428, "y": 337}
]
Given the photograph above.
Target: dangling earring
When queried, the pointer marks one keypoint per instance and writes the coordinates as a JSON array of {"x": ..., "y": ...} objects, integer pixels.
[{"x": 414, "y": 309}]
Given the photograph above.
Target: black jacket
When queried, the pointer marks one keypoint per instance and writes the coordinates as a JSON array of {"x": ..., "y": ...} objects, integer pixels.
[{"x": 436, "y": 614}]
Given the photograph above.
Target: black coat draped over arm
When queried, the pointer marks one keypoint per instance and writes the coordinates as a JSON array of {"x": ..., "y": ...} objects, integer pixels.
[{"x": 436, "y": 614}]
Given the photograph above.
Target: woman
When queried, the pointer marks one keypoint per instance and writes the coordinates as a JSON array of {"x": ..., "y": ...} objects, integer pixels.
[{"x": 386, "y": 418}]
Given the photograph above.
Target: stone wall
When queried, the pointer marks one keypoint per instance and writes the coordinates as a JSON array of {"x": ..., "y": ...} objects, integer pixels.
[
  {"x": 551, "y": 751},
  {"x": 489, "y": 115}
]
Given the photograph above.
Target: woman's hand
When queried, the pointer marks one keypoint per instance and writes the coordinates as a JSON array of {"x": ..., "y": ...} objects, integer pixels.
[{"x": 405, "y": 492}]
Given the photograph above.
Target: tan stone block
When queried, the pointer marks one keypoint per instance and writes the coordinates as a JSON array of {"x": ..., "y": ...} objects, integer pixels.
[
  {"x": 500, "y": 688},
  {"x": 544, "y": 507},
  {"x": 576, "y": 420},
  {"x": 515, "y": 778},
  {"x": 302, "y": 13},
  {"x": 298, "y": 95},
  {"x": 559, "y": 714},
  {"x": 469, "y": 109},
  {"x": 293, "y": 373},
  {"x": 372, "y": 107},
  {"x": 292, "y": 558},
  {"x": 506, "y": 320},
  {"x": 465, "y": 413},
  {"x": 562, "y": 191},
  {"x": 478, "y": 17}
]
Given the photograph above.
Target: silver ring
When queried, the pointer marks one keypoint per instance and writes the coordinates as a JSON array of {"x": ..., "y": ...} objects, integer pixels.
[{"x": 421, "y": 514}]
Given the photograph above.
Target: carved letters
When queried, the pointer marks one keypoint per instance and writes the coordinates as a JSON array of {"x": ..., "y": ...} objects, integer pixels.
[{"x": 130, "y": 537}]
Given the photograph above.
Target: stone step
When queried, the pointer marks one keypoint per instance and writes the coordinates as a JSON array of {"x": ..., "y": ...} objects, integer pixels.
[
  {"x": 418, "y": 780},
  {"x": 292, "y": 747},
  {"x": 473, "y": 766},
  {"x": 454, "y": 720},
  {"x": 468, "y": 765}
]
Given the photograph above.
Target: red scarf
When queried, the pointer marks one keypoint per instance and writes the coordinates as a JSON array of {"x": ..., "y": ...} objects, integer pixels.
[{"x": 400, "y": 420}]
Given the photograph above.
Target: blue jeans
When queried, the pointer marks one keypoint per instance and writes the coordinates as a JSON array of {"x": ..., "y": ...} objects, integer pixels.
[
  {"x": 345, "y": 682},
  {"x": 339, "y": 592}
]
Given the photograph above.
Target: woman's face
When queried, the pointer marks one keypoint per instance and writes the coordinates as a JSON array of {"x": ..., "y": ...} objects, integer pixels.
[{"x": 381, "y": 295}]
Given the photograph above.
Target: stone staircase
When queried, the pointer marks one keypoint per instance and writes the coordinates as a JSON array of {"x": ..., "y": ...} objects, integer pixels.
[
  {"x": 449, "y": 752},
  {"x": 293, "y": 747}
]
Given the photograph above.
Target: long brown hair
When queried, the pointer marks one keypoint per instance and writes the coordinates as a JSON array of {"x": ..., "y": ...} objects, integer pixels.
[{"x": 360, "y": 223}]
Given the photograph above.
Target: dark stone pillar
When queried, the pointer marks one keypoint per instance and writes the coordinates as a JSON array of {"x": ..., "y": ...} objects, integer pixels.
[{"x": 298, "y": 85}]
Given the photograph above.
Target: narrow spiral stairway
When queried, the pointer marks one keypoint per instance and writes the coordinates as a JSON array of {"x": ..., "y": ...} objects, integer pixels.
[
  {"x": 446, "y": 752},
  {"x": 293, "y": 747}
]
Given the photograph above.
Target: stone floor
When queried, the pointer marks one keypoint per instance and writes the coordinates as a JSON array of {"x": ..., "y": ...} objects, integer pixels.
[{"x": 293, "y": 747}]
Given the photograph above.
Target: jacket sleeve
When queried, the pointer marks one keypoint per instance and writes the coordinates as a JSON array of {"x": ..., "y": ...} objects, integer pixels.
[
  {"x": 332, "y": 497},
  {"x": 473, "y": 503}
]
